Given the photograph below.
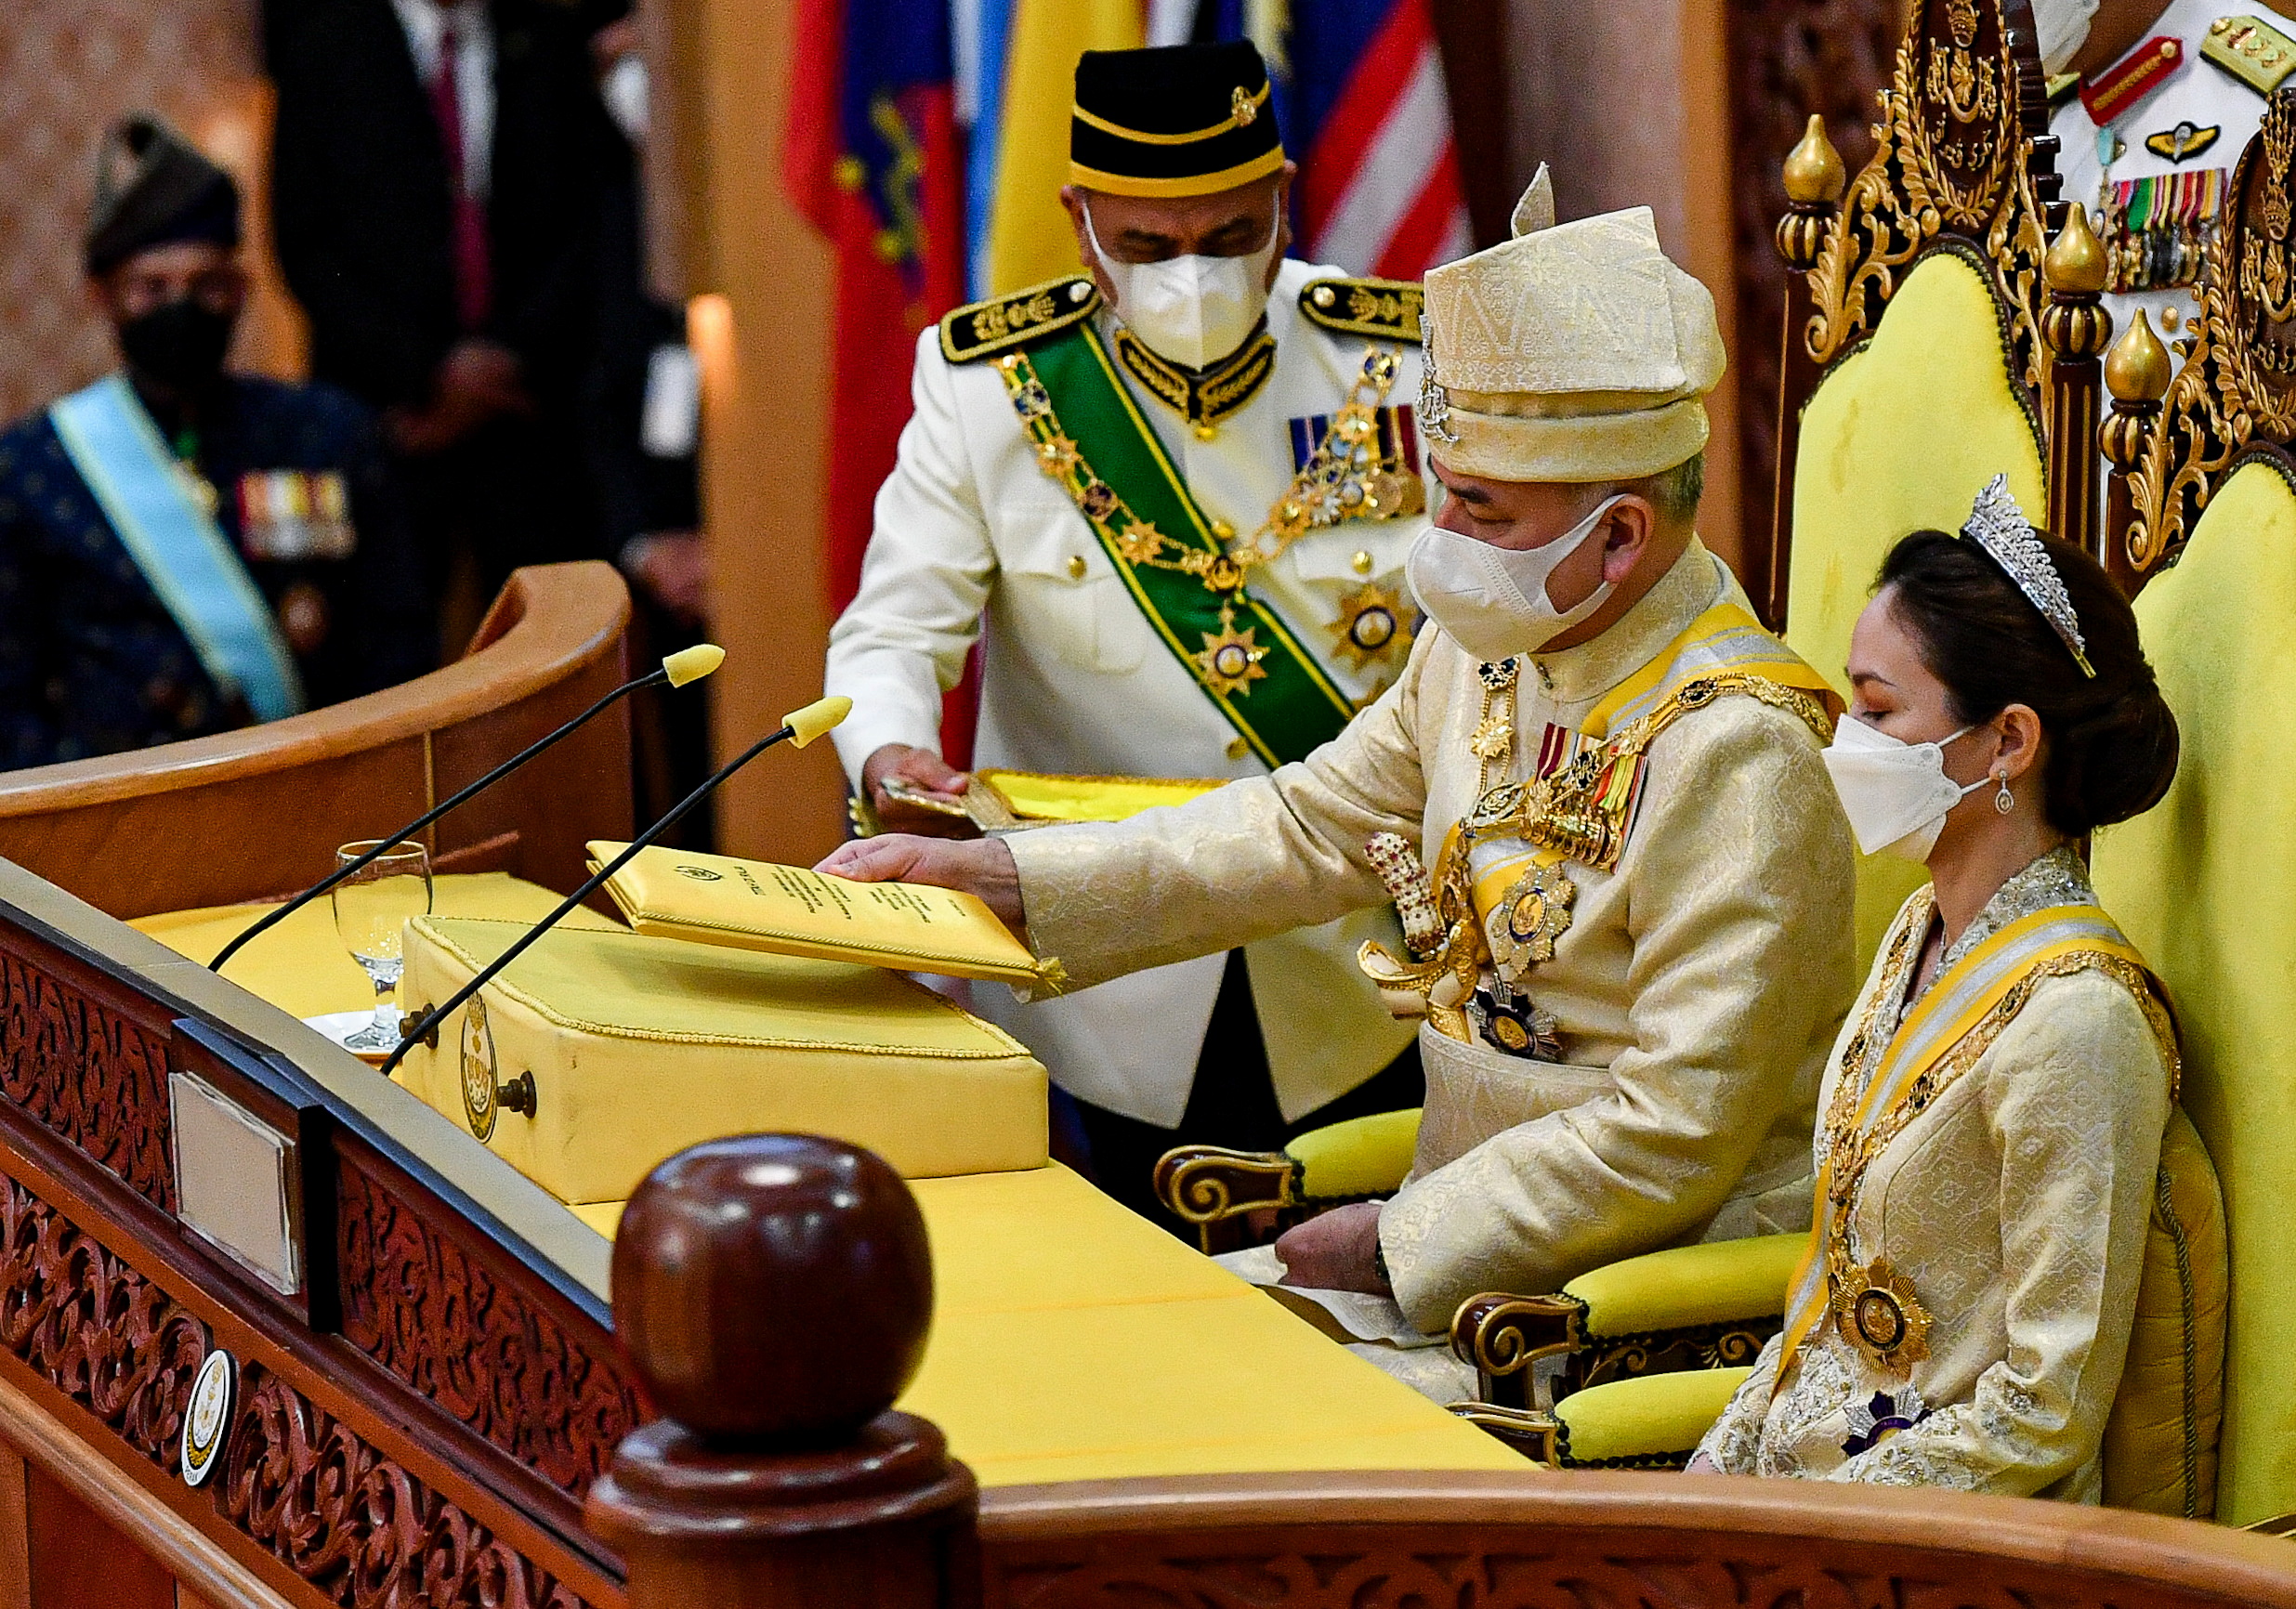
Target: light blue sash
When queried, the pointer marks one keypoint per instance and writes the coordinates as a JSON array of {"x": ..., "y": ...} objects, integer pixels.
[{"x": 182, "y": 553}]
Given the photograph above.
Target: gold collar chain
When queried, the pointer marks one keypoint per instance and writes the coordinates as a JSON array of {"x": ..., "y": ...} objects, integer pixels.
[
  {"x": 1203, "y": 397},
  {"x": 1328, "y": 489}
]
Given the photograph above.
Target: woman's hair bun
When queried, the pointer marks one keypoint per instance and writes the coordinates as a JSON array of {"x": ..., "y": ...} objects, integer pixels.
[{"x": 2112, "y": 738}]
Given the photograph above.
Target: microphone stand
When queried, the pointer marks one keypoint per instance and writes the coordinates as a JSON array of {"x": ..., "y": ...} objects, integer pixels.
[
  {"x": 438, "y": 1013},
  {"x": 650, "y": 679}
]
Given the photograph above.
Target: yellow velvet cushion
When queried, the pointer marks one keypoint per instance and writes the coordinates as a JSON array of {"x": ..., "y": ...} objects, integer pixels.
[
  {"x": 2161, "y": 1443},
  {"x": 301, "y": 967},
  {"x": 1656, "y": 1419},
  {"x": 639, "y": 1047},
  {"x": 1361, "y": 1156},
  {"x": 2205, "y": 886},
  {"x": 1686, "y": 1286},
  {"x": 1898, "y": 436}
]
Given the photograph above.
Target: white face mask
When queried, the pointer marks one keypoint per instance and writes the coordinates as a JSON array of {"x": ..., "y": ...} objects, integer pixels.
[
  {"x": 1192, "y": 310},
  {"x": 1494, "y": 599},
  {"x": 1895, "y": 793}
]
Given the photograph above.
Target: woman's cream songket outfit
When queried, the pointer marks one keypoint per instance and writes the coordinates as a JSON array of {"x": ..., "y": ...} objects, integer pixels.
[{"x": 1988, "y": 1196}]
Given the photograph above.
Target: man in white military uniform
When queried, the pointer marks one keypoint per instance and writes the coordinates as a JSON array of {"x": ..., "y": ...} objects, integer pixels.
[
  {"x": 2167, "y": 97},
  {"x": 1172, "y": 498},
  {"x": 1635, "y": 946}
]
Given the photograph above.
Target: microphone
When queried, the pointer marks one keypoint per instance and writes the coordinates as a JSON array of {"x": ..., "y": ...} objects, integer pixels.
[
  {"x": 799, "y": 726},
  {"x": 685, "y": 666}
]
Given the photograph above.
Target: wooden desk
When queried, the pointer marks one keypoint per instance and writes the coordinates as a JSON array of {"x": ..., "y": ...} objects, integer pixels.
[{"x": 257, "y": 813}]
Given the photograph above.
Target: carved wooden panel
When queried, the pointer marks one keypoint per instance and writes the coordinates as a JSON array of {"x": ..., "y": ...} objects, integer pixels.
[
  {"x": 96, "y": 1077},
  {"x": 1788, "y": 59},
  {"x": 419, "y": 1299},
  {"x": 303, "y": 1486},
  {"x": 1476, "y": 1568}
]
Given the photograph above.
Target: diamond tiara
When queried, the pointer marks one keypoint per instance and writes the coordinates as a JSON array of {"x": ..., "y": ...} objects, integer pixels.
[{"x": 1999, "y": 526}]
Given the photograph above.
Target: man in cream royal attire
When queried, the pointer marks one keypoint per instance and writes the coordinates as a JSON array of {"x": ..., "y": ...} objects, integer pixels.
[
  {"x": 1634, "y": 946},
  {"x": 1173, "y": 497},
  {"x": 2162, "y": 98}
]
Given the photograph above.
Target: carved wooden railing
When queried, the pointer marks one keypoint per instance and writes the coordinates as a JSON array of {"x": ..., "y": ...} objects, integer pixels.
[
  {"x": 258, "y": 812},
  {"x": 774, "y": 1294},
  {"x": 1963, "y": 162},
  {"x": 2173, "y": 442},
  {"x": 427, "y": 1383}
]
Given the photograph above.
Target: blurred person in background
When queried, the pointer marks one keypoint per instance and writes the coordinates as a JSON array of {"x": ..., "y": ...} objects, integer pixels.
[
  {"x": 435, "y": 201},
  {"x": 641, "y": 427},
  {"x": 182, "y": 550}
]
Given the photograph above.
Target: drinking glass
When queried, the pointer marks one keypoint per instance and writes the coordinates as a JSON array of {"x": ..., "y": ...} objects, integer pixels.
[{"x": 372, "y": 907}]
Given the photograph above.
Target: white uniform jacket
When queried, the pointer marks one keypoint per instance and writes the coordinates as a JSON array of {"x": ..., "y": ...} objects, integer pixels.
[
  {"x": 2199, "y": 92},
  {"x": 973, "y": 541}
]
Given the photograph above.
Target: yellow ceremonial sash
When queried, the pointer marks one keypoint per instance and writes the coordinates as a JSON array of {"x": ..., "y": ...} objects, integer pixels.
[
  {"x": 1980, "y": 994},
  {"x": 1725, "y": 641}
]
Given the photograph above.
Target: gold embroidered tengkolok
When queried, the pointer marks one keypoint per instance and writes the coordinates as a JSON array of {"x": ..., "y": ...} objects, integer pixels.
[
  {"x": 1310, "y": 501},
  {"x": 1203, "y": 397}
]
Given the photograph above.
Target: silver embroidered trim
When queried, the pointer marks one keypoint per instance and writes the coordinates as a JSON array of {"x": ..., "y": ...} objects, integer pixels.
[
  {"x": 1999, "y": 526},
  {"x": 1435, "y": 403}
]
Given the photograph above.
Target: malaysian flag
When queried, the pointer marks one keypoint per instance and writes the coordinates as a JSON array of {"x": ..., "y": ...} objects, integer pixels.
[{"x": 1366, "y": 113}]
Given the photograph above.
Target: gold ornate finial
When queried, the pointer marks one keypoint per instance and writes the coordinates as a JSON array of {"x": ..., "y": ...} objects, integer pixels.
[
  {"x": 2077, "y": 263},
  {"x": 2138, "y": 369},
  {"x": 1813, "y": 170}
]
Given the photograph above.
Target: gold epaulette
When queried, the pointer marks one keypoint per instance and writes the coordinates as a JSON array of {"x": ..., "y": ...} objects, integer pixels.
[
  {"x": 983, "y": 329},
  {"x": 1383, "y": 309}
]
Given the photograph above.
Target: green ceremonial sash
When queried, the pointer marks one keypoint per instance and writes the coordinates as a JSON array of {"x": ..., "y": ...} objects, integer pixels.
[{"x": 1092, "y": 440}]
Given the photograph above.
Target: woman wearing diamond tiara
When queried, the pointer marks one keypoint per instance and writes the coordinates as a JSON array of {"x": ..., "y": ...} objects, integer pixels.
[{"x": 1991, "y": 1118}]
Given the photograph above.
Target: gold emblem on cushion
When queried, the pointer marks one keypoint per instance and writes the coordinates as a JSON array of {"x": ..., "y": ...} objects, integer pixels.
[
  {"x": 478, "y": 1109},
  {"x": 1881, "y": 1316}
]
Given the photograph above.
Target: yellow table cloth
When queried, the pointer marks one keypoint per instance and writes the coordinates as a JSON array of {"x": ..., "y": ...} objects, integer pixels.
[
  {"x": 1073, "y": 1341},
  {"x": 301, "y": 967}
]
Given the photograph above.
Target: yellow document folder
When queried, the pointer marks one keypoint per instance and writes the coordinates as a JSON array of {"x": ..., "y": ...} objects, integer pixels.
[{"x": 788, "y": 910}]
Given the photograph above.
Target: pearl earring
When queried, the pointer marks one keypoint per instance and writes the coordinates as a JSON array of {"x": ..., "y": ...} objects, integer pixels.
[{"x": 2004, "y": 800}]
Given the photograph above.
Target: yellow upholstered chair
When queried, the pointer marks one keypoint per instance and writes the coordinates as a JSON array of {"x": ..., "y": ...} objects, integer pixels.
[
  {"x": 2160, "y": 1443},
  {"x": 2205, "y": 885}
]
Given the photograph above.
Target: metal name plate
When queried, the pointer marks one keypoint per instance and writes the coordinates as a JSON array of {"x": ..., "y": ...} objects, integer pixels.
[{"x": 235, "y": 1182}]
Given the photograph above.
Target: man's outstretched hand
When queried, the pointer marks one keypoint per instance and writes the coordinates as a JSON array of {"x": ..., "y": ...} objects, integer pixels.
[{"x": 976, "y": 866}]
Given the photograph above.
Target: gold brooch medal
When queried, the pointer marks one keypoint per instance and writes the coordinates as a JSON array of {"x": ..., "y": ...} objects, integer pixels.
[
  {"x": 1526, "y": 922},
  {"x": 1230, "y": 659},
  {"x": 1370, "y": 628},
  {"x": 1881, "y": 1316}
]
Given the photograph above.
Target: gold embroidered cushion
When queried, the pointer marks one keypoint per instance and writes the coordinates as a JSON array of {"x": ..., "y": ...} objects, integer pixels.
[
  {"x": 1875, "y": 463},
  {"x": 2205, "y": 885},
  {"x": 2161, "y": 1443}
]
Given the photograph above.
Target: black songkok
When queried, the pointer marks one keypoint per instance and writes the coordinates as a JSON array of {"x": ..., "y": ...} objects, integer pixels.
[
  {"x": 154, "y": 189},
  {"x": 1181, "y": 120}
]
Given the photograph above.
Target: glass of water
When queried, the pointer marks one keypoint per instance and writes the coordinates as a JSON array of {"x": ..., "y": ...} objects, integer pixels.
[{"x": 372, "y": 907}]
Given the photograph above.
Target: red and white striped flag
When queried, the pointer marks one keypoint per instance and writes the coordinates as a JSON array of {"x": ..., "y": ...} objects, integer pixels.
[{"x": 1366, "y": 113}]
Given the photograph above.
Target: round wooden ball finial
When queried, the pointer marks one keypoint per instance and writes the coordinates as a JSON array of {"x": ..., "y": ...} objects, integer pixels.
[
  {"x": 773, "y": 1289},
  {"x": 2138, "y": 369},
  {"x": 1813, "y": 170},
  {"x": 2076, "y": 262}
]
